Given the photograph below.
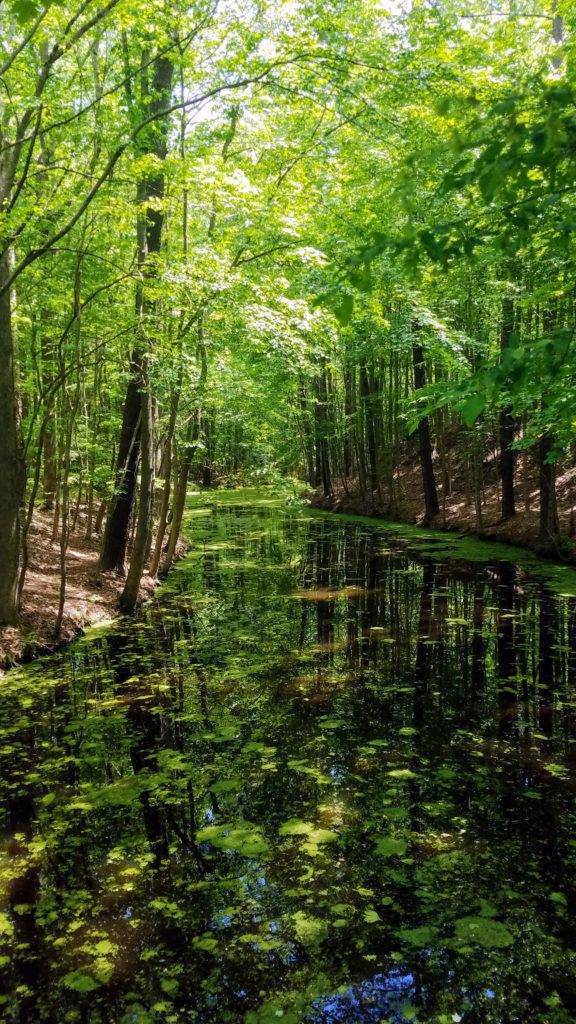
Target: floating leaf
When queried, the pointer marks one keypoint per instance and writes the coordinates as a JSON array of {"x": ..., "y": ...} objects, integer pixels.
[
  {"x": 342, "y": 909},
  {"x": 395, "y": 813},
  {"x": 104, "y": 947},
  {"x": 295, "y": 827},
  {"x": 246, "y": 840},
  {"x": 205, "y": 942},
  {"x": 422, "y": 936},
  {"x": 390, "y": 846},
  {"x": 80, "y": 982},
  {"x": 319, "y": 837},
  {"x": 371, "y": 916},
  {"x": 309, "y": 930},
  {"x": 483, "y": 931},
  {"x": 169, "y": 985},
  {"x": 558, "y": 898}
]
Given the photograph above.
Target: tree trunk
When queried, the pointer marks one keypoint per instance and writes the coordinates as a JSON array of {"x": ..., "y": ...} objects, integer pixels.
[
  {"x": 307, "y": 438},
  {"x": 167, "y": 467},
  {"x": 424, "y": 442},
  {"x": 180, "y": 491},
  {"x": 150, "y": 221},
  {"x": 549, "y": 528},
  {"x": 50, "y": 468},
  {"x": 115, "y": 541},
  {"x": 349, "y": 411},
  {"x": 12, "y": 466},
  {"x": 207, "y": 430},
  {"x": 129, "y": 596},
  {"x": 507, "y": 454},
  {"x": 323, "y": 455},
  {"x": 50, "y": 475},
  {"x": 366, "y": 396}
]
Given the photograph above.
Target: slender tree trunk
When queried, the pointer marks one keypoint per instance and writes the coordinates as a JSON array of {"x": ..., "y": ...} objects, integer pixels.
[
  {"x": 507, "y": 454},
  {"x": 115, "y": 540},
  {"x": 180, "y": 492},
  {"x": 12, "y": 466},
  {"x": 27, "y": 519},
  {"x": 308, "y": 440},
  {"x": 50, "y": 474},
  {"x": 129, "y": 596},
  {"x": 349, "y": 410},
  {"x": 150, "y": 222},
  {"x": 323, "y": 455},
  {"x": 424, "y": 441},
  {"x": 100, "y": 517},
  {"x": 165, "y": 505},
  {"x": 65, "y": 507},
  {"x": 549, "y": 528},
  {"x": 69, "y": 407},
  {"x": 366, "y": 396},
  {"x": 207, "y": 429}
]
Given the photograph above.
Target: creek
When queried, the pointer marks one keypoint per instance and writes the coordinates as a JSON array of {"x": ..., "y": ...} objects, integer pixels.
[{"x": 327, "y": 777}]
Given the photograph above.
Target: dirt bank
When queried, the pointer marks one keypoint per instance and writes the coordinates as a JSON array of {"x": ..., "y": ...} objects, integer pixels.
[
  {"x": 457, "y": 509},
  {"x": 91, "y": 598}
]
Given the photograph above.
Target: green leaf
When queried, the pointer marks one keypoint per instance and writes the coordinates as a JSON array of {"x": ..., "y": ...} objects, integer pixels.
[
  {"x": 484, "y": 932},
  {"x": 472, "y": 408},
  {"x": 169, "y": 985},
  {"x": 25, "y": 10},
  {"x": 371, "y": 916},
  {"x": 422, "y": 936},
  {"x": 80, "y": 982},
  {"x": 559, "y": 898},
  {"x": 104, "y": 947},
  {"x": 246, "y": 840},
  {"x": 206, "y": 942},
  {"x": 309, "y": 930},
  {"x": 344, "y": 310},
  {"x": 389, "y": 846},
  {"x": 295, "y": 827}
]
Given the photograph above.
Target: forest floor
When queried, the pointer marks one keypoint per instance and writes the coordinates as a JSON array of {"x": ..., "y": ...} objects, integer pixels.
[
  {"x": 91, "y": 597},
  {"x": 457, "y": 511}
]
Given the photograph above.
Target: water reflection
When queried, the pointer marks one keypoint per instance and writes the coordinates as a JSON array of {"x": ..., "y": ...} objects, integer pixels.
[{"x": 326, "y": 779}]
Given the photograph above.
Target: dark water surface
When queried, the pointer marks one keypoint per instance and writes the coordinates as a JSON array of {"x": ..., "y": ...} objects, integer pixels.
[{"x": 329, "y": 778}]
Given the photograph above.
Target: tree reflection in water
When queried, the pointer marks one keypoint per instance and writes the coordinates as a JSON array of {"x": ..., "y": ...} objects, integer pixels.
[{"x": 328, "y": 777}]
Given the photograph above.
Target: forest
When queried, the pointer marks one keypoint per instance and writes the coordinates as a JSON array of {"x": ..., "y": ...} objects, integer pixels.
[
  {"x": 288, "y": 451},
  {"x": 243, "y": 244}
]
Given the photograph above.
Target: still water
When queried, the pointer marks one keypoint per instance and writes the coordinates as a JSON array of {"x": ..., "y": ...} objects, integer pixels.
[{"x": 328, "y": 778}]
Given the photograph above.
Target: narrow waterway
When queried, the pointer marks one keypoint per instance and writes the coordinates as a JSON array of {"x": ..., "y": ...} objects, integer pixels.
[{"x": 329, "y": 777}]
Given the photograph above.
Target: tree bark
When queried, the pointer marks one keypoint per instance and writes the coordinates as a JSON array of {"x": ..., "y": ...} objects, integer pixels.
[
  {"x": 424, "y": 441},
  {"x": 180, "y": 492},
  {"x": 366, "y": 396},
  {"x": 129, "y": 596},
  {"x": 149, "y": 230},
  {"x": 167, "y": 477},
  {"x": 549, "y": 527},
  {"x": 12, "y": 466},
  {"x": 322, "y": 452},
  {"x": 507, "y": 454},
  {"x": 115, "y": 540}
]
